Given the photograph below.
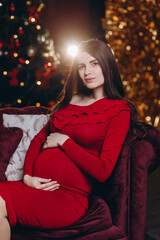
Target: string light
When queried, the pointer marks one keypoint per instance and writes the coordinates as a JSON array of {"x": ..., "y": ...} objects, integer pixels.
[
  {"x": 135, "y": 79},
  {"x": 49, "y": 64},
  {"x": 15, "y": 54},
  {"x": 38, "y": 104},
  {"x": 15, "y": 36},
  {"x": 28, "y": 2},
  {"x": 156, "y": 121},
  {"x": 38, "y": 83},
  {"x": 110, "y": 32},
  {"x": 128, "y": 48},
  {"x": 125, "y": 83},
  {"x": 141, "y": 34},
  {"x": 46, "y": 55},
  {"x": 26, "y": 23},
  {"x": 38, "y": 27},
  {"x": 21, "y": 84},
  {"x": 32, "y": 19},
  {"x": 27, "y": 62},
  {"x": 120, "y": 26},
  {"x": 138, "y": 75},
  {"x": 5, "y": 73},
  {"x": 148, "y": 118},
  {"x": 11, "y": 17},
  {"x": 19, "y": 101}
]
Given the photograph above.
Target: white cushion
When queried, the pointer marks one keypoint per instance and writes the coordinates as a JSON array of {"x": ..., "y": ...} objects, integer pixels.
[{"x": 31, "y": 125}]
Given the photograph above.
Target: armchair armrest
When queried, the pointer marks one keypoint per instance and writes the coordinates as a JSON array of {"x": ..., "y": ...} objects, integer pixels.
[
  {"x": 142, "y": 153},
  {"x": 145, "y": 158}
]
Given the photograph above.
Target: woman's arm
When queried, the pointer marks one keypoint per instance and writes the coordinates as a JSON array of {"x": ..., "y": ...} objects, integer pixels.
[
  {"x": 102, "y": 167},
  {"x": 33, "y": 150},
  {"x": 32, "y": 154}
]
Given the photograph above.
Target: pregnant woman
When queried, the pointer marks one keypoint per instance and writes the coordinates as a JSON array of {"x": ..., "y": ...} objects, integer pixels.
[{"x": 81, "y": 141}]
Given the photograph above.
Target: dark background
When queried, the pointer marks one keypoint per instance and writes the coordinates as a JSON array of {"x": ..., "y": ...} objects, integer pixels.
[{"x": 72, "y": 21}]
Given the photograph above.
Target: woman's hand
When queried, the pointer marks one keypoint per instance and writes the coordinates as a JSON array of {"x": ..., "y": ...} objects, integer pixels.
[
  {"x": 40, "y": 183},
  {"x": 55, "y": 140}
]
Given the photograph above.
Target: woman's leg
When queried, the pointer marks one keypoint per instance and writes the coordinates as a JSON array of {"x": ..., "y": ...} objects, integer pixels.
[{"x": 5, "y": 231}]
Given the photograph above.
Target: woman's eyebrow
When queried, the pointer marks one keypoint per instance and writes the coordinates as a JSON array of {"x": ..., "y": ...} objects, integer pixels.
[{"x": 89, "y": 62}]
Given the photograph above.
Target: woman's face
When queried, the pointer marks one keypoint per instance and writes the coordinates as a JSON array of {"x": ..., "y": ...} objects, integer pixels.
[{"x": 90, "y": 71}]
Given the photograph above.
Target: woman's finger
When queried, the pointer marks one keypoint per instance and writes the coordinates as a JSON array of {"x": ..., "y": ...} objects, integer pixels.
[
  {"x": 45, "y": 145},
  {"x": 52, "y": 188},
  {"x": 55, "y": 189},
  {"x": 46, "y": 185},
  {"x": 44, "y": 180}
]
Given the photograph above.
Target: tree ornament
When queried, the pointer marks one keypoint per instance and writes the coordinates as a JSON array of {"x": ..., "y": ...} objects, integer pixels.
[
  {"x": 20, "y": 30},
  {"x": 12, "y": 7},
  {"x": 17, "y": 44}
]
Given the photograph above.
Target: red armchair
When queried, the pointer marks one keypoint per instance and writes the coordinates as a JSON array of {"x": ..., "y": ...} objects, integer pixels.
[{"x": 117, "y": 207}]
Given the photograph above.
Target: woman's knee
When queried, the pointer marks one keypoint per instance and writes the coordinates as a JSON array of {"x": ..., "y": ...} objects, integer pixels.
[{"x": 3, "y": 209}]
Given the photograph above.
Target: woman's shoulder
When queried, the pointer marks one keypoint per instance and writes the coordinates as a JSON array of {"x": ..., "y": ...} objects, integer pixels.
[
  {"x": 114, "y": 107},
  {"x": 110, "y": 103}
]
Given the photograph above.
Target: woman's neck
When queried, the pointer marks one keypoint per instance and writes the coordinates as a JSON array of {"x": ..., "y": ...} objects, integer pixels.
[{"x": 98, "y": 93}]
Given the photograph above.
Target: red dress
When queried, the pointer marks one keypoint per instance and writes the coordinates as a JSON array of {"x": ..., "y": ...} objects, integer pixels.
[{"x": 97, "y": 133}]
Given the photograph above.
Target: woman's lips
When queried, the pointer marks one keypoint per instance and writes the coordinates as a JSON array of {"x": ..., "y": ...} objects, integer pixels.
[{"x": 89, "y": 79}]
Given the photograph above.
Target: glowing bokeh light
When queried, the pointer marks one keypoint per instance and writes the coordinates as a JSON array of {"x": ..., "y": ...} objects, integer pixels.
[{"x": 73, "y": 50}]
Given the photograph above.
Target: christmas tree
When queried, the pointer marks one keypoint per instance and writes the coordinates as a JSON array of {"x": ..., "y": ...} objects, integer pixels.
[
  {"x": 29, "y": 65},
  {"x": 132, "y": 31}
]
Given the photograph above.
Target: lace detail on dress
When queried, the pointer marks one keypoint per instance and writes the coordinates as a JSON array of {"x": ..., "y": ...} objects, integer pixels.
[{"x": 96, "y": 113}]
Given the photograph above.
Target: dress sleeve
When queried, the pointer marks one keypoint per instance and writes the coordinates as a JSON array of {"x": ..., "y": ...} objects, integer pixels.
[
  {"x": 34, "y": 150},
  {"x": 101, "y": 167}
]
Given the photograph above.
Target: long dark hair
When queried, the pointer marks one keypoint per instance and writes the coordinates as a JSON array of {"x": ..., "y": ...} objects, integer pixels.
[{"x": 113, "y": 87}]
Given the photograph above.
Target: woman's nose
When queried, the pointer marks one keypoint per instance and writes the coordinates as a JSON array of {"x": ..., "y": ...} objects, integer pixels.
[{"x": 87, "y": 70}]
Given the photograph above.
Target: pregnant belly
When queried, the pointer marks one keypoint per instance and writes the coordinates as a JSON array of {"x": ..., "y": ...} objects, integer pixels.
[{"x": 55, "y": 164}]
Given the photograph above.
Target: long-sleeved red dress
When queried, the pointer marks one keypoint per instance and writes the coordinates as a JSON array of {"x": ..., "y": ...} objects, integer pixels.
[{"x": 96, "y": 135}]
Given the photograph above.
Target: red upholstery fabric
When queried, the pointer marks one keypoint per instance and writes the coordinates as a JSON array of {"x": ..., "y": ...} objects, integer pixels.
[
  {"x": 9, "y": 140},
  {"x": 124, "y": 194}
]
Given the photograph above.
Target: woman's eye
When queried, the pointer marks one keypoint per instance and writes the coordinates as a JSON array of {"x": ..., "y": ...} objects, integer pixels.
[
  {"x": 95, "y": 63},
  {"x": 80, "y": 67}
]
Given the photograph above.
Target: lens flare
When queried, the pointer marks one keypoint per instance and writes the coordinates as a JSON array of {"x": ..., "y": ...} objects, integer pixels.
[{"x": 73, "y": 50}]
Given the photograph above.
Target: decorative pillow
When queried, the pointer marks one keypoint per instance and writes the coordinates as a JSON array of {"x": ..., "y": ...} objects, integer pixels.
[
  {"x": 31, "y": 125},
  {"x": 9, "y": 140}
]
